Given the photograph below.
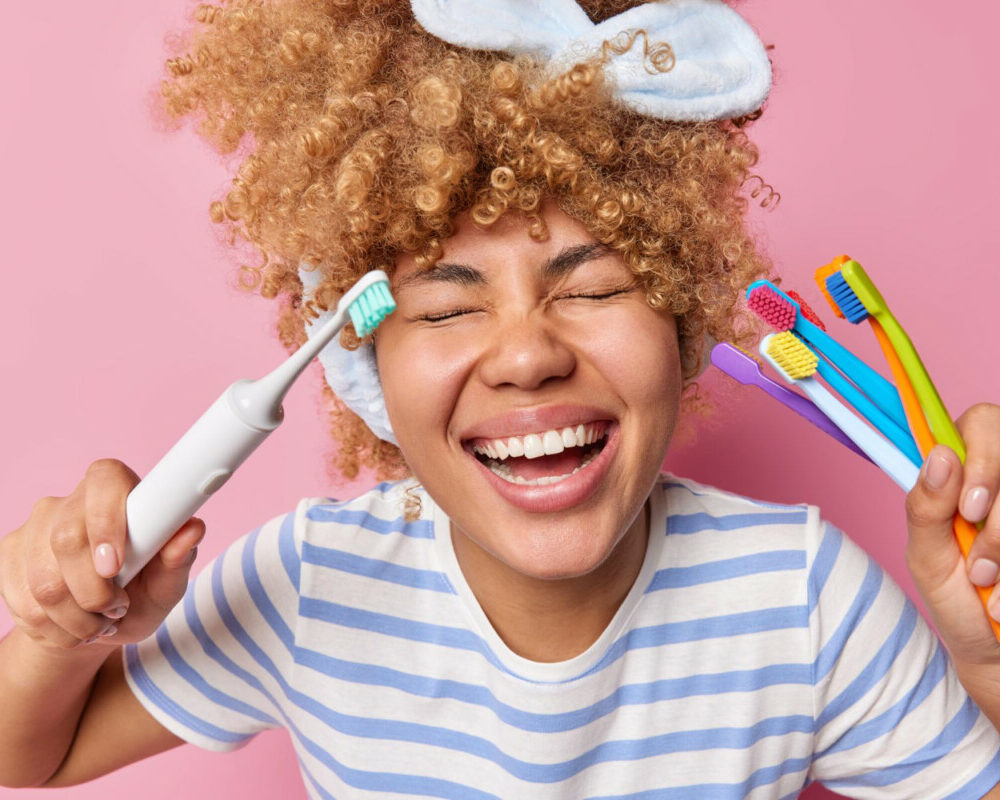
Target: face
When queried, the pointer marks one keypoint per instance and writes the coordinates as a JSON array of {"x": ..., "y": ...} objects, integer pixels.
[{"x": 533, "y": 392}]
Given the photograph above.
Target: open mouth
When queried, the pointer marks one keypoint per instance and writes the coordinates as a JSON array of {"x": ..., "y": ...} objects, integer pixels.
[{"x": 546, "y": 457}]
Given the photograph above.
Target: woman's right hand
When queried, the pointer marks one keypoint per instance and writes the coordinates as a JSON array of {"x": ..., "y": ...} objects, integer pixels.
[{"x": 56, "y": 570}]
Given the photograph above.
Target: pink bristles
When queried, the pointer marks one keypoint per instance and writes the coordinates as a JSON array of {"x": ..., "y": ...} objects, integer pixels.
[{"x": 772, "y": 308}]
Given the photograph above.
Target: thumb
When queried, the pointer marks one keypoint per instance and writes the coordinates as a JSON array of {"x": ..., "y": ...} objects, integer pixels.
[
  {"x": 165, "y": 578},
  {"x": 936, "y": 561}
]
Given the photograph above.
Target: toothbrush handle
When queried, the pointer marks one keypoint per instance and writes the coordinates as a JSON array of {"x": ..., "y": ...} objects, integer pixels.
[
  {"x": 882, "y": 393},
  {"x": 806, "y": 408},
  {"x": 192, "y": 470},
  {"x": 891, "y": 460}
]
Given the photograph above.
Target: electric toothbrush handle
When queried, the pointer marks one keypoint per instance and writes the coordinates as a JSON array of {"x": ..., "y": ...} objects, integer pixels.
[{"x": 192, "y": 470}]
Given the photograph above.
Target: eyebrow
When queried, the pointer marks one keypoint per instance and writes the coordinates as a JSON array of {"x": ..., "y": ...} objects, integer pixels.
[{"x": 564, "y": 262}]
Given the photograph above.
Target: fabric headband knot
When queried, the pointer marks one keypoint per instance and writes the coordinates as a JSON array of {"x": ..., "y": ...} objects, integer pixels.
[
  {"x": 720, "y": 67},
  {"x": 719, "y": 70}
]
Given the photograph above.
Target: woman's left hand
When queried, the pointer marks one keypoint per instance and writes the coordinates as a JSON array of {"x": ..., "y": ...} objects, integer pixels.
[{"x": 944, "y": 578}]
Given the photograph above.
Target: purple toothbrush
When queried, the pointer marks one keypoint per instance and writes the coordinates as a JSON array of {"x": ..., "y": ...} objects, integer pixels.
[{"x": 737, "y": 364}]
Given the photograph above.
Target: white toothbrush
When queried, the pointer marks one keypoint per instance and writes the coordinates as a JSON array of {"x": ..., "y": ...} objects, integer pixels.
[
  {"x": 230, "y": 430},
  {"x": 796, "y": 363}
]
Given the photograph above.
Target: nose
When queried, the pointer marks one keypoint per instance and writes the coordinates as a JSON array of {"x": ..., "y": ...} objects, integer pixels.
[{"x": 526, "y": 352}]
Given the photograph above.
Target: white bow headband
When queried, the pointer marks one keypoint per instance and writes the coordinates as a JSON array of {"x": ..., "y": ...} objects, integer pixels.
[{"x": 720, "y": 71}]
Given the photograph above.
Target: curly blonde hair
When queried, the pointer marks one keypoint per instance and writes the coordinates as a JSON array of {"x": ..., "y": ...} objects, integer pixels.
[{"x": 361, "y": 136}]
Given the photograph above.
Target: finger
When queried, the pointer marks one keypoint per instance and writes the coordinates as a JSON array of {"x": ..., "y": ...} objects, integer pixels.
[
  {"x": 980, "y": 428},
  {"x": 165, "y": 578},
  {"x": 106, "y": 487},
  {"x": 932, "y": 552},
  {"x": 70, "y": 544},
  {"x": 936, "y": 561}
]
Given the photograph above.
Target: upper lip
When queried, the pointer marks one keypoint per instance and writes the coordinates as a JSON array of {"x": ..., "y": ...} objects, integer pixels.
[{"x": 534, "y": 420}]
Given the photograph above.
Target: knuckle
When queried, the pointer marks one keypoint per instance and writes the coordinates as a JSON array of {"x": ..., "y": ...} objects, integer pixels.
[
  {"x": 104, "y": 521},
  {"x": 919, "y": 511},
  {"x": 33, "y": 618},
  {"x": 96, "y": 599},
  {"x": 49, "y": 590},
  {"x": 109, "y": 470},
  {"x": 68, "y": 538},
  {"x": 44, "y": 506}
]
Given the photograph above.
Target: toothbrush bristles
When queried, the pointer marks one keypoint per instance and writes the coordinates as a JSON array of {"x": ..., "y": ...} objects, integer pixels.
[
  {"x": 797, "y": 360},
  {"x": 845, "y": 298},
  {"x": 373, "y": 305},
  {"x": 772, "y": 308}
]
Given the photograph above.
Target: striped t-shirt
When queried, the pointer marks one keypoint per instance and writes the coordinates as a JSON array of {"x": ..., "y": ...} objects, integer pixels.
[{"x": 759, "y": 650}]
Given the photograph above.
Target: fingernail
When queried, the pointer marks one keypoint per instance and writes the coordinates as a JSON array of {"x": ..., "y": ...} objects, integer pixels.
[
  {"x": 984, "y": 572},
  {"x": 994, "y": 607},
  {"x": 976, "y": 504},
  {"x": 116, "y": 613},
  {"x": 91, "y": 640},
  {"x": 105, "y": 560},
  {"x": 937, "y": 471},
  {"x": 111, "y": 630}
]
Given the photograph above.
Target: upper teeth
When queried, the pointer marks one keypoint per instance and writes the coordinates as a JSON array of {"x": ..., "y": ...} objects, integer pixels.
[{"x": 546, "y": 443}]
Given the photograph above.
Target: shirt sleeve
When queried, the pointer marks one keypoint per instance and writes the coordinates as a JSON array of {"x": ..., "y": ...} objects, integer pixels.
[
  {"x": 891, "y": 718},
  {"x": 212, "y": 673}
]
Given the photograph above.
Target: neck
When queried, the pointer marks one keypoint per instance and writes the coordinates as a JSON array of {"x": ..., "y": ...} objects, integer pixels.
[{"x": 549, "y": 620}]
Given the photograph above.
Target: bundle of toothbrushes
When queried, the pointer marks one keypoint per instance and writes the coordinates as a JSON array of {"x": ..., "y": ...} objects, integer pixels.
[{"x": 894, "y": 425}]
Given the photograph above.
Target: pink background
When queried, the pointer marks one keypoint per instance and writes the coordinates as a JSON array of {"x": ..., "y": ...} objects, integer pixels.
[{"x": 121, "y": 321}]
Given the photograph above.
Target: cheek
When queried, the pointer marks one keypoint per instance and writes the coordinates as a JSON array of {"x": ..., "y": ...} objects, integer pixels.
[
  {"x": 642, "y": 359},
  {"x": 421, "y": 380}
]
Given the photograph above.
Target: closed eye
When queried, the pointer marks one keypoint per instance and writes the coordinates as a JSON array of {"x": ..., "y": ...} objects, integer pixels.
[
  {"x": 443, "y": 316},
  {"x": 596, "y": 295}
]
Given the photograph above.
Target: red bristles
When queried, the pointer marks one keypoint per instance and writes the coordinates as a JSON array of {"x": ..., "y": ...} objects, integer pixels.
[
  {"x": 806, "y": 310},
  {"x": 772, "y": 308}
]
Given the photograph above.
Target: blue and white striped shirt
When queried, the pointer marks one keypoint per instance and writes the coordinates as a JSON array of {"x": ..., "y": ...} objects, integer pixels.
[{"x": 759, "y": 650}]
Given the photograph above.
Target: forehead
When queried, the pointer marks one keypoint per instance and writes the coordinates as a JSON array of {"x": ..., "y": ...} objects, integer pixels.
[{"x": 511, "y": 238}]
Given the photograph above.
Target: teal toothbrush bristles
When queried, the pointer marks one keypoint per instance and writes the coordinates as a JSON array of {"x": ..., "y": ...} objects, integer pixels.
[
  {"x": 844, "y": 296},
  {"x": 373, "y": 305}
]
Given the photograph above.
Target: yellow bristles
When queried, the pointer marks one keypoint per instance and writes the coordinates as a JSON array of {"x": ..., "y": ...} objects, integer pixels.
[{"x": 788, "y": 352}]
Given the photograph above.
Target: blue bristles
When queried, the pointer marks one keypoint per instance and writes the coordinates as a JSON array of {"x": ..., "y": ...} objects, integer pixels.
[{"x": 845, "y": 298}]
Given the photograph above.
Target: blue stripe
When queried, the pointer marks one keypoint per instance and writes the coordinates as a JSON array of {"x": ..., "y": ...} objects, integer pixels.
[
  {"x": 978, "y": 786},
  {"x": 727, "y": 568},
  {"x": 874, "y": 670},
  {"x": 418, "y": 529},
  {"x": 628, "y": 695},
  {"x": 722, "y": 791},
  {"x": 376, "y": 569},
  {"x": 287, "y": 551},
  {"x": 172, "y": 709},
  {"x": 259, "y": 594},
  {"x": 939, "y": 747},
  {"x": 826, "y": 558},
  {"x": 725, "y": 626},
  {"x": 188, "y": 673},
  {"x": 892, "y": 717},
  {"x": 701, "y": 521},
  {"x": 718, "y": 493},
  {"x": 865, "y": 598},
  {"x": 372, "y": 781},
  {"x": 437, "y": 736}
]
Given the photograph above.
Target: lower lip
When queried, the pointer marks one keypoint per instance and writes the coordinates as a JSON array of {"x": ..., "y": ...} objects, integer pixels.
[{"x": 567, "y": 493}]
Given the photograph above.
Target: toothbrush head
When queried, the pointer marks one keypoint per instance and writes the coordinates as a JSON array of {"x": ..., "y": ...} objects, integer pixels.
[
  {"x": 851, "y": 307},
  {"x": 789, "y": 356},
  {"x": 822, "y": 273},
  {"x": 735, "y": 362},
  {"x": 369, "y": 302},
  {"x": 772, "y": 305},
  {"x": 806, "y": 310}
]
